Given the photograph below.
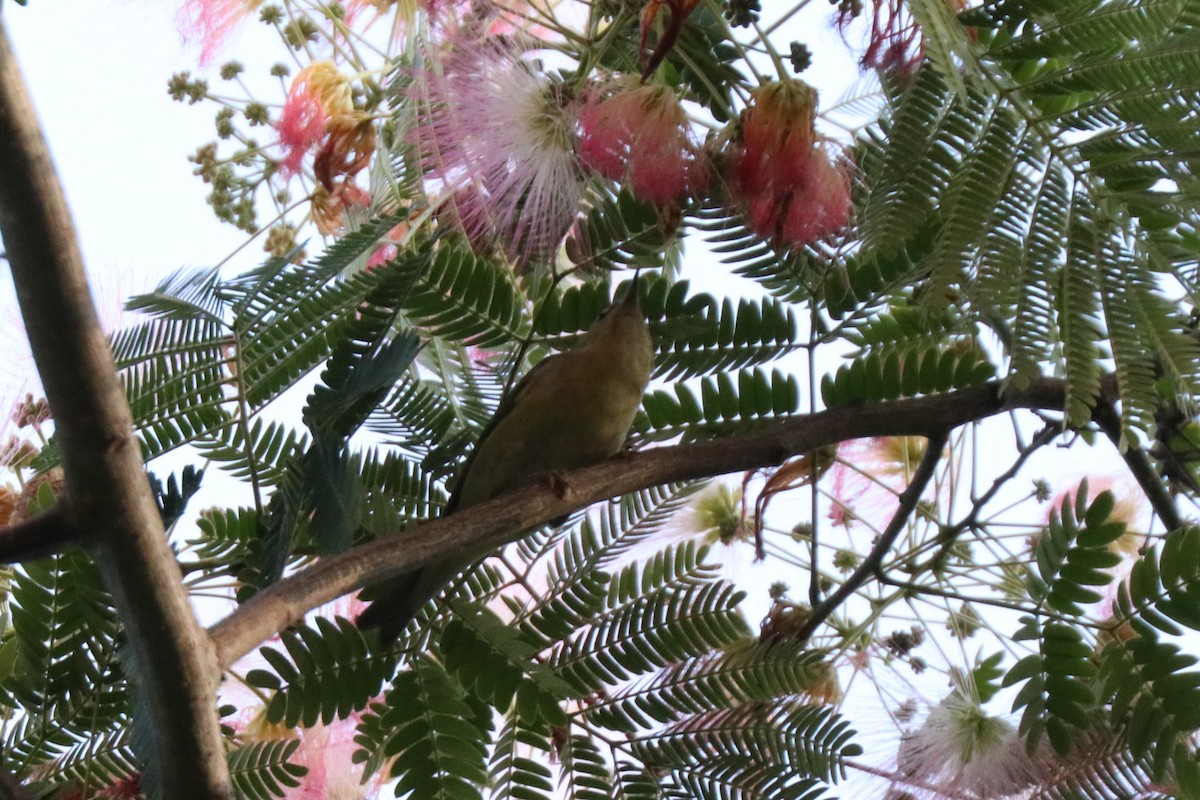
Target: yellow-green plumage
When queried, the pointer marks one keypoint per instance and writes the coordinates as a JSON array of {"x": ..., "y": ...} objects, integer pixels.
[{"x": 572, "y": 410}]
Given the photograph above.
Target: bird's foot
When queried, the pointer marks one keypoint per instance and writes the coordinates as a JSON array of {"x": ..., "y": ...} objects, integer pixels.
[{"x": 554, "y": 481}]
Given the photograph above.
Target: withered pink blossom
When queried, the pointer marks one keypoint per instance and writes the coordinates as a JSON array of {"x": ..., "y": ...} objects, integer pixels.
[
  {"x": 319, "y": 95},
  {"x": 639, "y": 134},
  {"x": 496, "y": 138},
  {"x": 319, "y": 116},
  {"x": 327, "y": 208},
  {"x": 346, "y": 151},
  {"x": 895, "y": 43},
  {"x": 792, "y": 184},
  {"x": 211, "y": 21}
]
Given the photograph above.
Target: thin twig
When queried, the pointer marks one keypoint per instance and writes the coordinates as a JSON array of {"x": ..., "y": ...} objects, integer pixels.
[
  {"x": 871, "y": 565},
  {"x": 912, "y": 588},
  {"x": 949, "y": 535}
]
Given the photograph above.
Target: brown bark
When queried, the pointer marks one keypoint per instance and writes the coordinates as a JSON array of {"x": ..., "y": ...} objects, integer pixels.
[
  {"x": 37, "y": 537},
  {"x": 108, "y": 496},
  {"x": 500, "y": 521}
]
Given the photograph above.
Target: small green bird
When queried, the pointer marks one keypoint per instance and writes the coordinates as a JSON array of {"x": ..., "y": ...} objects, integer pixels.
[{"x": 571, "y": 410}]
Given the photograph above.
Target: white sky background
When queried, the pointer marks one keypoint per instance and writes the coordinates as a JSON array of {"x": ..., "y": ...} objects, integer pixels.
[{"x": 98, "y": 70}]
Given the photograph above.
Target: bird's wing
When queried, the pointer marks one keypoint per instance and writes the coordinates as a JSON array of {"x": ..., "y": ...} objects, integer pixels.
[{"x": 507, "y": 404}]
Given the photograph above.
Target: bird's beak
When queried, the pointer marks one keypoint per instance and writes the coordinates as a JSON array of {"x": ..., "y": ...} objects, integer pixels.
[{"x": 630, "y": 298}]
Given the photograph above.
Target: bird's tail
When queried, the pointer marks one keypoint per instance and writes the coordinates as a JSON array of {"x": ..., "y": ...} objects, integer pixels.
[{"x": 397, "y": 603}]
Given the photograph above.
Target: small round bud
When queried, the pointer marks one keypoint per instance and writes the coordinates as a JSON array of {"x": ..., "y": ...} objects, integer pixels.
[
  {"x": 742, "y": 13},
  {"x": 271, "y": 15},
  {"x": 177, "y": 85},
  {"x": 224, "y": 123},
  {"x": 800, "y": 56},
  {"x": 256, "y": 113}
]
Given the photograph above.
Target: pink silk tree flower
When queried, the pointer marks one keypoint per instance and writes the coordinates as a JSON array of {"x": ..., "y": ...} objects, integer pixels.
[
  {"x": 780, "y": 171},
  {"x": 496, "y": 138},
  {"x": 211, "y": 21},
  {"x": 865, "y": 482},
  {"x": 821, "y": 204},
  {"x": 639, "y": 135},
  {"x": 327, "y": 751},
  {"x": 300, "y": 127}
]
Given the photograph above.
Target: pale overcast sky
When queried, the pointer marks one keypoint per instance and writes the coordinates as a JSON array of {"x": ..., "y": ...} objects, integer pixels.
[{"x": 98, "y": 74}]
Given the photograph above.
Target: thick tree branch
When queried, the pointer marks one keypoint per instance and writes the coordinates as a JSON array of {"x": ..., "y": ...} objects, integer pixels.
[
  {"x": 46, "y": 534},
  {"x": 107, "y": 492},
  {"x": 501, "y": 521},
  {"x": 872, "y": 563}
]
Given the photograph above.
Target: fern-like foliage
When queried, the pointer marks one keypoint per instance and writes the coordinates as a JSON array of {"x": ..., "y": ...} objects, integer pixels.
[
  {"x": 1072, "y": 555},
  {"x": 172, "y": 498},
  {"x": 735, "y": 753},
  {"x": 723, "y": 405},
  {"x": 1029, "y": 197},
  {"x": 494, "y": 661},
  {"x": 1147, "y": 681},
  {"x": 65, "y": 630},
  {"x": 435, "y": 735},
  {"x": 743, "y": 673},
  {"x": 1024, "y": 206},
  {"x": 1144, "y": 686},
  {"x": 216, "y": 351},
  {"x": 618, "y": 231},
  {"x": 326, "y": 673},
  {"x": 262, "y": 770},
  {"x": 520, "y": 764}
]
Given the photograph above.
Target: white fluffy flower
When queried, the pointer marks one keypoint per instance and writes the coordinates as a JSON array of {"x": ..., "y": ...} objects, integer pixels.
[{"x": 966, "y": 752}]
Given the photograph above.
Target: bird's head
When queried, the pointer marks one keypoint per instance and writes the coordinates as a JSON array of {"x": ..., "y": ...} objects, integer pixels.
[{"x": 621, "y": 337}]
